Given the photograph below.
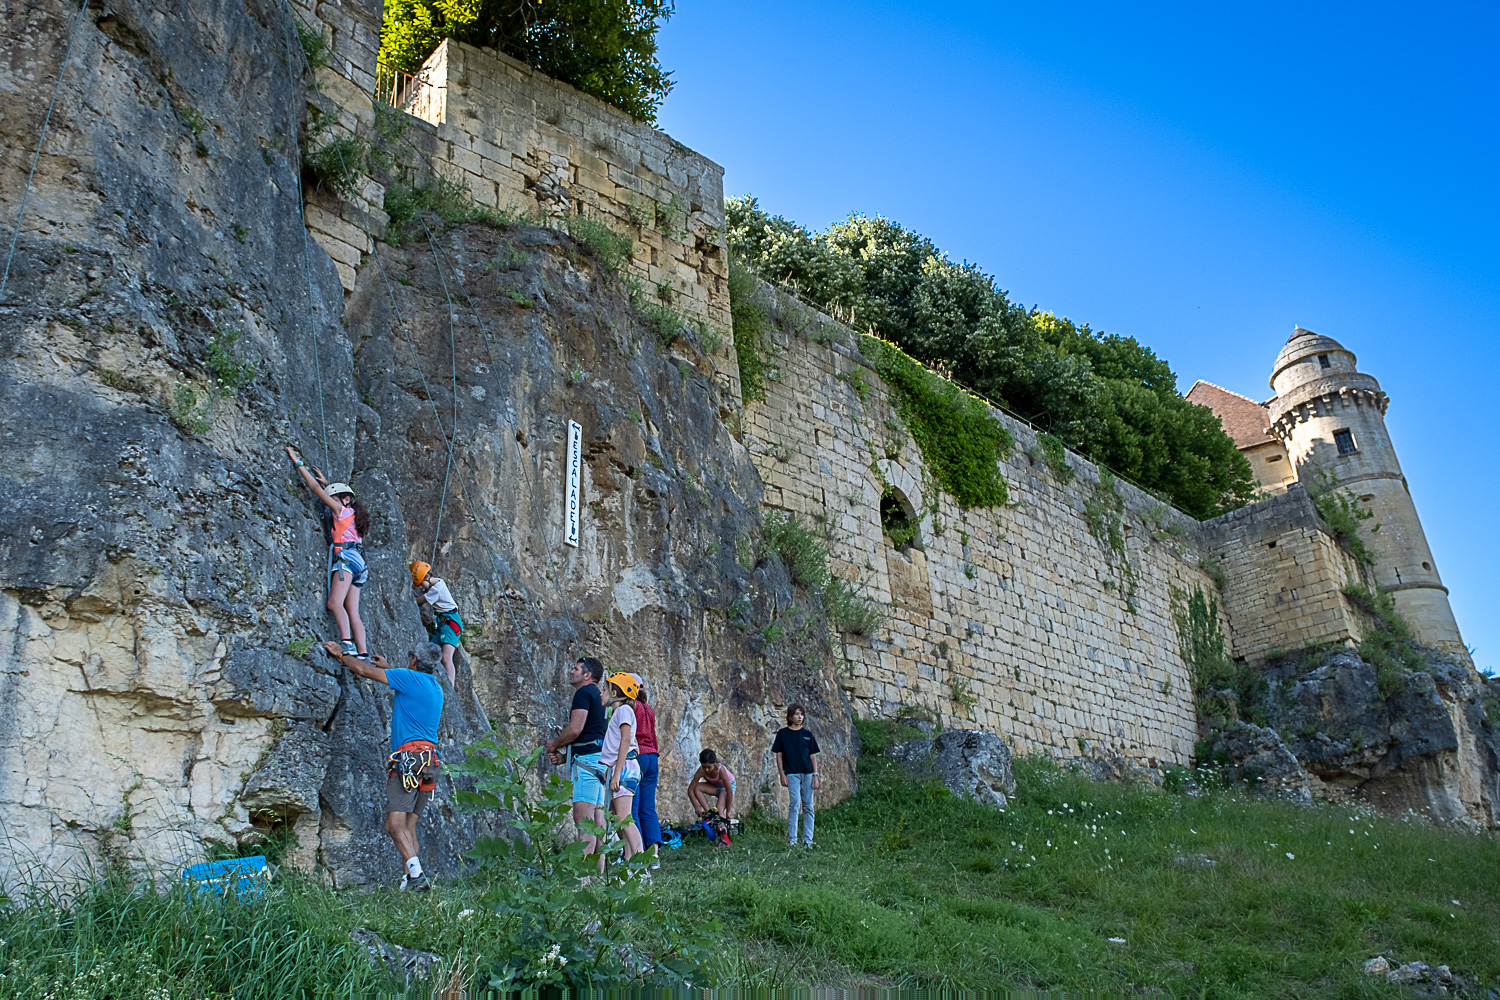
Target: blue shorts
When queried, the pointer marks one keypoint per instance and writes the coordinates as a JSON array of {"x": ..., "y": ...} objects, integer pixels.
[
  {"x": 444, "y": 634},
  {"x": 588, "y": 779},
  {"x": 353, "y": 561}
]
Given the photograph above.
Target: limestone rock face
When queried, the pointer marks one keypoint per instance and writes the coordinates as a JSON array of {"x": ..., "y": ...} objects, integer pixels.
[
  {"x": 1430, "y": 748},
  {"x": 971, "y": 763},
  {"x": 158, "y": 561},
  {"x": 539, "y": 336}
]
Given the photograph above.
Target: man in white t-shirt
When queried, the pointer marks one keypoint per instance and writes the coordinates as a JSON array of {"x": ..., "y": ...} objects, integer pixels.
[{"x": 447, "y": 625}]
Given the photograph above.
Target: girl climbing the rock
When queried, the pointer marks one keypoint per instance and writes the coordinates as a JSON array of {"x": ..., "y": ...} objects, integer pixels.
[{"x": 347, "y": 524}]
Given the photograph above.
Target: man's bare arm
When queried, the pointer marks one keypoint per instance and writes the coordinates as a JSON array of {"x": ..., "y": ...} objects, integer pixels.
[{"x": 374, "y": 669}]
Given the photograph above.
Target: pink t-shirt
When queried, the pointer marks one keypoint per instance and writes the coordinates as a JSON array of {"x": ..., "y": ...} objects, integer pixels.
[
  {"x": 724, "y": 780},
  {"x": 343, "y": 527}
]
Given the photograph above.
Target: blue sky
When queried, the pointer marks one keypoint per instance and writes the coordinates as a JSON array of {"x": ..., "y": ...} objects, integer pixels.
[{"x": 1197, "y": 178}]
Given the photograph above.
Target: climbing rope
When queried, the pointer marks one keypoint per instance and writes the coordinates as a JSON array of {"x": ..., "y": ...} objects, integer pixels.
[
  {"x": 453, "y": 353},
  {"x": 525, "y": 465},
  {"x": 46, "y": 122},
  {"x": 306, "y": 254},
  {"x": 427, "y": 393}
]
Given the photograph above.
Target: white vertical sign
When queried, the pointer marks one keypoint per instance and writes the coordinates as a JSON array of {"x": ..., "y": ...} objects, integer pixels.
[{"x": 575, "y": 473}]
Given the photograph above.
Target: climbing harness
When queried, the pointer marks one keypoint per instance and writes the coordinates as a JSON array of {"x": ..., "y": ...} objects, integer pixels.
[
  {"x": 417, "y": 763},
  {"x": 46, "y": 122}
]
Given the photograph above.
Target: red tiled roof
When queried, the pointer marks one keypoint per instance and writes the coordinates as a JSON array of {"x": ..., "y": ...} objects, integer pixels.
[{"x": 1244, "y": 420}]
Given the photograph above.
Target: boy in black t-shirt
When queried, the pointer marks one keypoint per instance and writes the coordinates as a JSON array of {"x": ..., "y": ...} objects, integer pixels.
[
  {"x": 796, "y": 752},
  {"x": 583, "y": 737}
]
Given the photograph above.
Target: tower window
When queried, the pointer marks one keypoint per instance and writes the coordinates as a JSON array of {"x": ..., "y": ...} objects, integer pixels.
[
  {"x": 1273, "y": 458},
  {"x": 1323, "y": 361},
  {"x": 1345, "y": 441},
  {"x": 896, "y": 518}
]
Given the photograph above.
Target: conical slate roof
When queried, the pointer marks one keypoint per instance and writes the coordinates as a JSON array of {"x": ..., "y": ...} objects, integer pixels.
[{"x": 1304, "y": 343}]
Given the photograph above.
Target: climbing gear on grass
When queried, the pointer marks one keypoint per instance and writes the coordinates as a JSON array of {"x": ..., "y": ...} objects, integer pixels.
[{"x": 419, "y": 571}]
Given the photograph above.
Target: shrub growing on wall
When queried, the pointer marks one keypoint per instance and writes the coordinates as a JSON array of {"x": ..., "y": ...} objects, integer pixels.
[
  {"x": 606, "y": 48},
  {"x": 1104, "y": 395}
]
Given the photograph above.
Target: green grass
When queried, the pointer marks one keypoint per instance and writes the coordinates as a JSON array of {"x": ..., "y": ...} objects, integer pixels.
[{"x": 910, "y": 887}]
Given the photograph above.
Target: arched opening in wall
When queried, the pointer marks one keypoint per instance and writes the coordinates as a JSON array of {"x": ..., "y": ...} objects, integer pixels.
[{"x": 897, "y": 518}]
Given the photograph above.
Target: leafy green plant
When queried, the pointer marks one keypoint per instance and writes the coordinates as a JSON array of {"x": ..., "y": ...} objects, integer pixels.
[
  {"x": 961, "y": 444},
  {"x": 1200, "y": 640},
  {"x": 805, "y": 554},
  {"x": 1342, "y": 514},
  {"x": 664, "y": 321},
  {"x": 753, "y": 346},
  {"x": 188, "y": 412},
  {"x": 231, "y": 374},
  {"x": 1052, "y": 453},
  {"x": 315, "y": 49},
  {"x": 339, "y": 164},
  {"x": 300, "y": 647},
  {"x": 1106, "y": 396},
  {"x": 962, "y": 693},
  {"x": 1388, "y": 644},
  {"x": 611, "y": 249},
  {"x": 610, "y": 933}
]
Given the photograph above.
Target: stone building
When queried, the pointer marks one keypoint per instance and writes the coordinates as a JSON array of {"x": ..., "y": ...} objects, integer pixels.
[{"x": 1325, "y": 427}]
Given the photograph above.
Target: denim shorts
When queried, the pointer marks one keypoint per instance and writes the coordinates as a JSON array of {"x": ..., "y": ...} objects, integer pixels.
[
  {"x": 588, "y": 779},
  {"x": 630, "y": 779},
  {"x": 353, "y": 561}
]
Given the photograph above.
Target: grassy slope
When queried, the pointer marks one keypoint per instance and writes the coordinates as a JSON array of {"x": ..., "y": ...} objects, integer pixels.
[
  {"x": 912, "y": 887},
  {"x": 909, "y": 887}
]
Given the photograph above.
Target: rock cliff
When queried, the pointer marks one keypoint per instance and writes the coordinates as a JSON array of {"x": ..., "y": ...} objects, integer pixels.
[{"x": 167, "y": 326}]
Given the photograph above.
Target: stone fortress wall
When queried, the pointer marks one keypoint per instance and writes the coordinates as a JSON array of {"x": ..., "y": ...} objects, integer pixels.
[{"x": 1017, "y": 618}]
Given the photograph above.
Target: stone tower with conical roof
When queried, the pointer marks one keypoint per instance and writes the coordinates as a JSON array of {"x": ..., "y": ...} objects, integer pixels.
[{"x": 1330, "y": 416}]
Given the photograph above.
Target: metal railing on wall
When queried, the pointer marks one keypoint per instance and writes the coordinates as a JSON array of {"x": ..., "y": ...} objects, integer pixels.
[{"x": 395, "y": 87}]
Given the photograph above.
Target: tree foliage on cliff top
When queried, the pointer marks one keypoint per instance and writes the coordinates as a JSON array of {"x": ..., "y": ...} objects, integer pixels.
[
  {"x": 1104, "y": 395},
  {"x": 606, "y": 48}
]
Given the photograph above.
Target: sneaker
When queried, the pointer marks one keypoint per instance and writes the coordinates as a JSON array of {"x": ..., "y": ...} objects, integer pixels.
[
  {"x": 810, "y": 846},
  {"x": 419, "y": 884},
  {"x": 348, "y": 648},
  {"x": 655, "y": 865}
]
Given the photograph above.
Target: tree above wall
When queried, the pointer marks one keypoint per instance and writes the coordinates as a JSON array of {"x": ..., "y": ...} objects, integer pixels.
[
  {"x": 606, "y": 48},
  {"x": 1107, "y": 396}
]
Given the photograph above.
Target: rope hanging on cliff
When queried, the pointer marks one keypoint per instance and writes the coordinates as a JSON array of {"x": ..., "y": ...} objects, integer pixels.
[
  {"x": 453, "y": 353},
  {"x": 525, "y": 466},
  {"x": 306, "y": 255},
  {"x": 46, "y": 122}
]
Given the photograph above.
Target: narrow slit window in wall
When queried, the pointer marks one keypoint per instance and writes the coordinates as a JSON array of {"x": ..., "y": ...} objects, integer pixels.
[
  {"x": 1323, "y": 361},
  {"x": 1345, "y": 441}
]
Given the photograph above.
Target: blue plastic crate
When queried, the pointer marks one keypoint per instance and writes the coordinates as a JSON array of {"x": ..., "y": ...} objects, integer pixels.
[{"x": 245, "y": 877}]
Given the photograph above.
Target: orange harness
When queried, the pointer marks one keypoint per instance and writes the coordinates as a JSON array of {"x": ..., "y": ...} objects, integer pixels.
[{"x": 418, "y": 763}]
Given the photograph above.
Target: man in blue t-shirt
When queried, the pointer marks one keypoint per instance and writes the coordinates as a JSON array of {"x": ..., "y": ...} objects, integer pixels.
[
  {"x": 579, "y": 744},
  {"x": 411, "y": 772}
]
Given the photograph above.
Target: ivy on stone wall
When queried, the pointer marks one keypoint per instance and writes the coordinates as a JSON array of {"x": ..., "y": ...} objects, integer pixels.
[
  {"x": 1223, "y": 690},
  {"x": 752, "y": 341},
  {"x": 962, "y": 445}
]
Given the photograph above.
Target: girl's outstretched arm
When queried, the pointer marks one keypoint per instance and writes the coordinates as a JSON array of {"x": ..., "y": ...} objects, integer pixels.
[{"x": 334, "y": 503}]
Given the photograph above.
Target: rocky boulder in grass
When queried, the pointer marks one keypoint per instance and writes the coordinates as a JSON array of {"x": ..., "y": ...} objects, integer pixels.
[
  {"x": 1256, "y": 755},
  {"x": 971, "y": 763}
]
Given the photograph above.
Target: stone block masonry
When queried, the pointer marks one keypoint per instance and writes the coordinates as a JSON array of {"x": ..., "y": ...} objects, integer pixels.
[
  {"x": 518, "y": 140},
  {"x": 1018, "y": 619}
]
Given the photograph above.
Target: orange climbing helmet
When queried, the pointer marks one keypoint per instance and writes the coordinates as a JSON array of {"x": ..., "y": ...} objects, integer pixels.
[
  {"x": 419, "y": 571},
  {"x": 627, "y": 685}
]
